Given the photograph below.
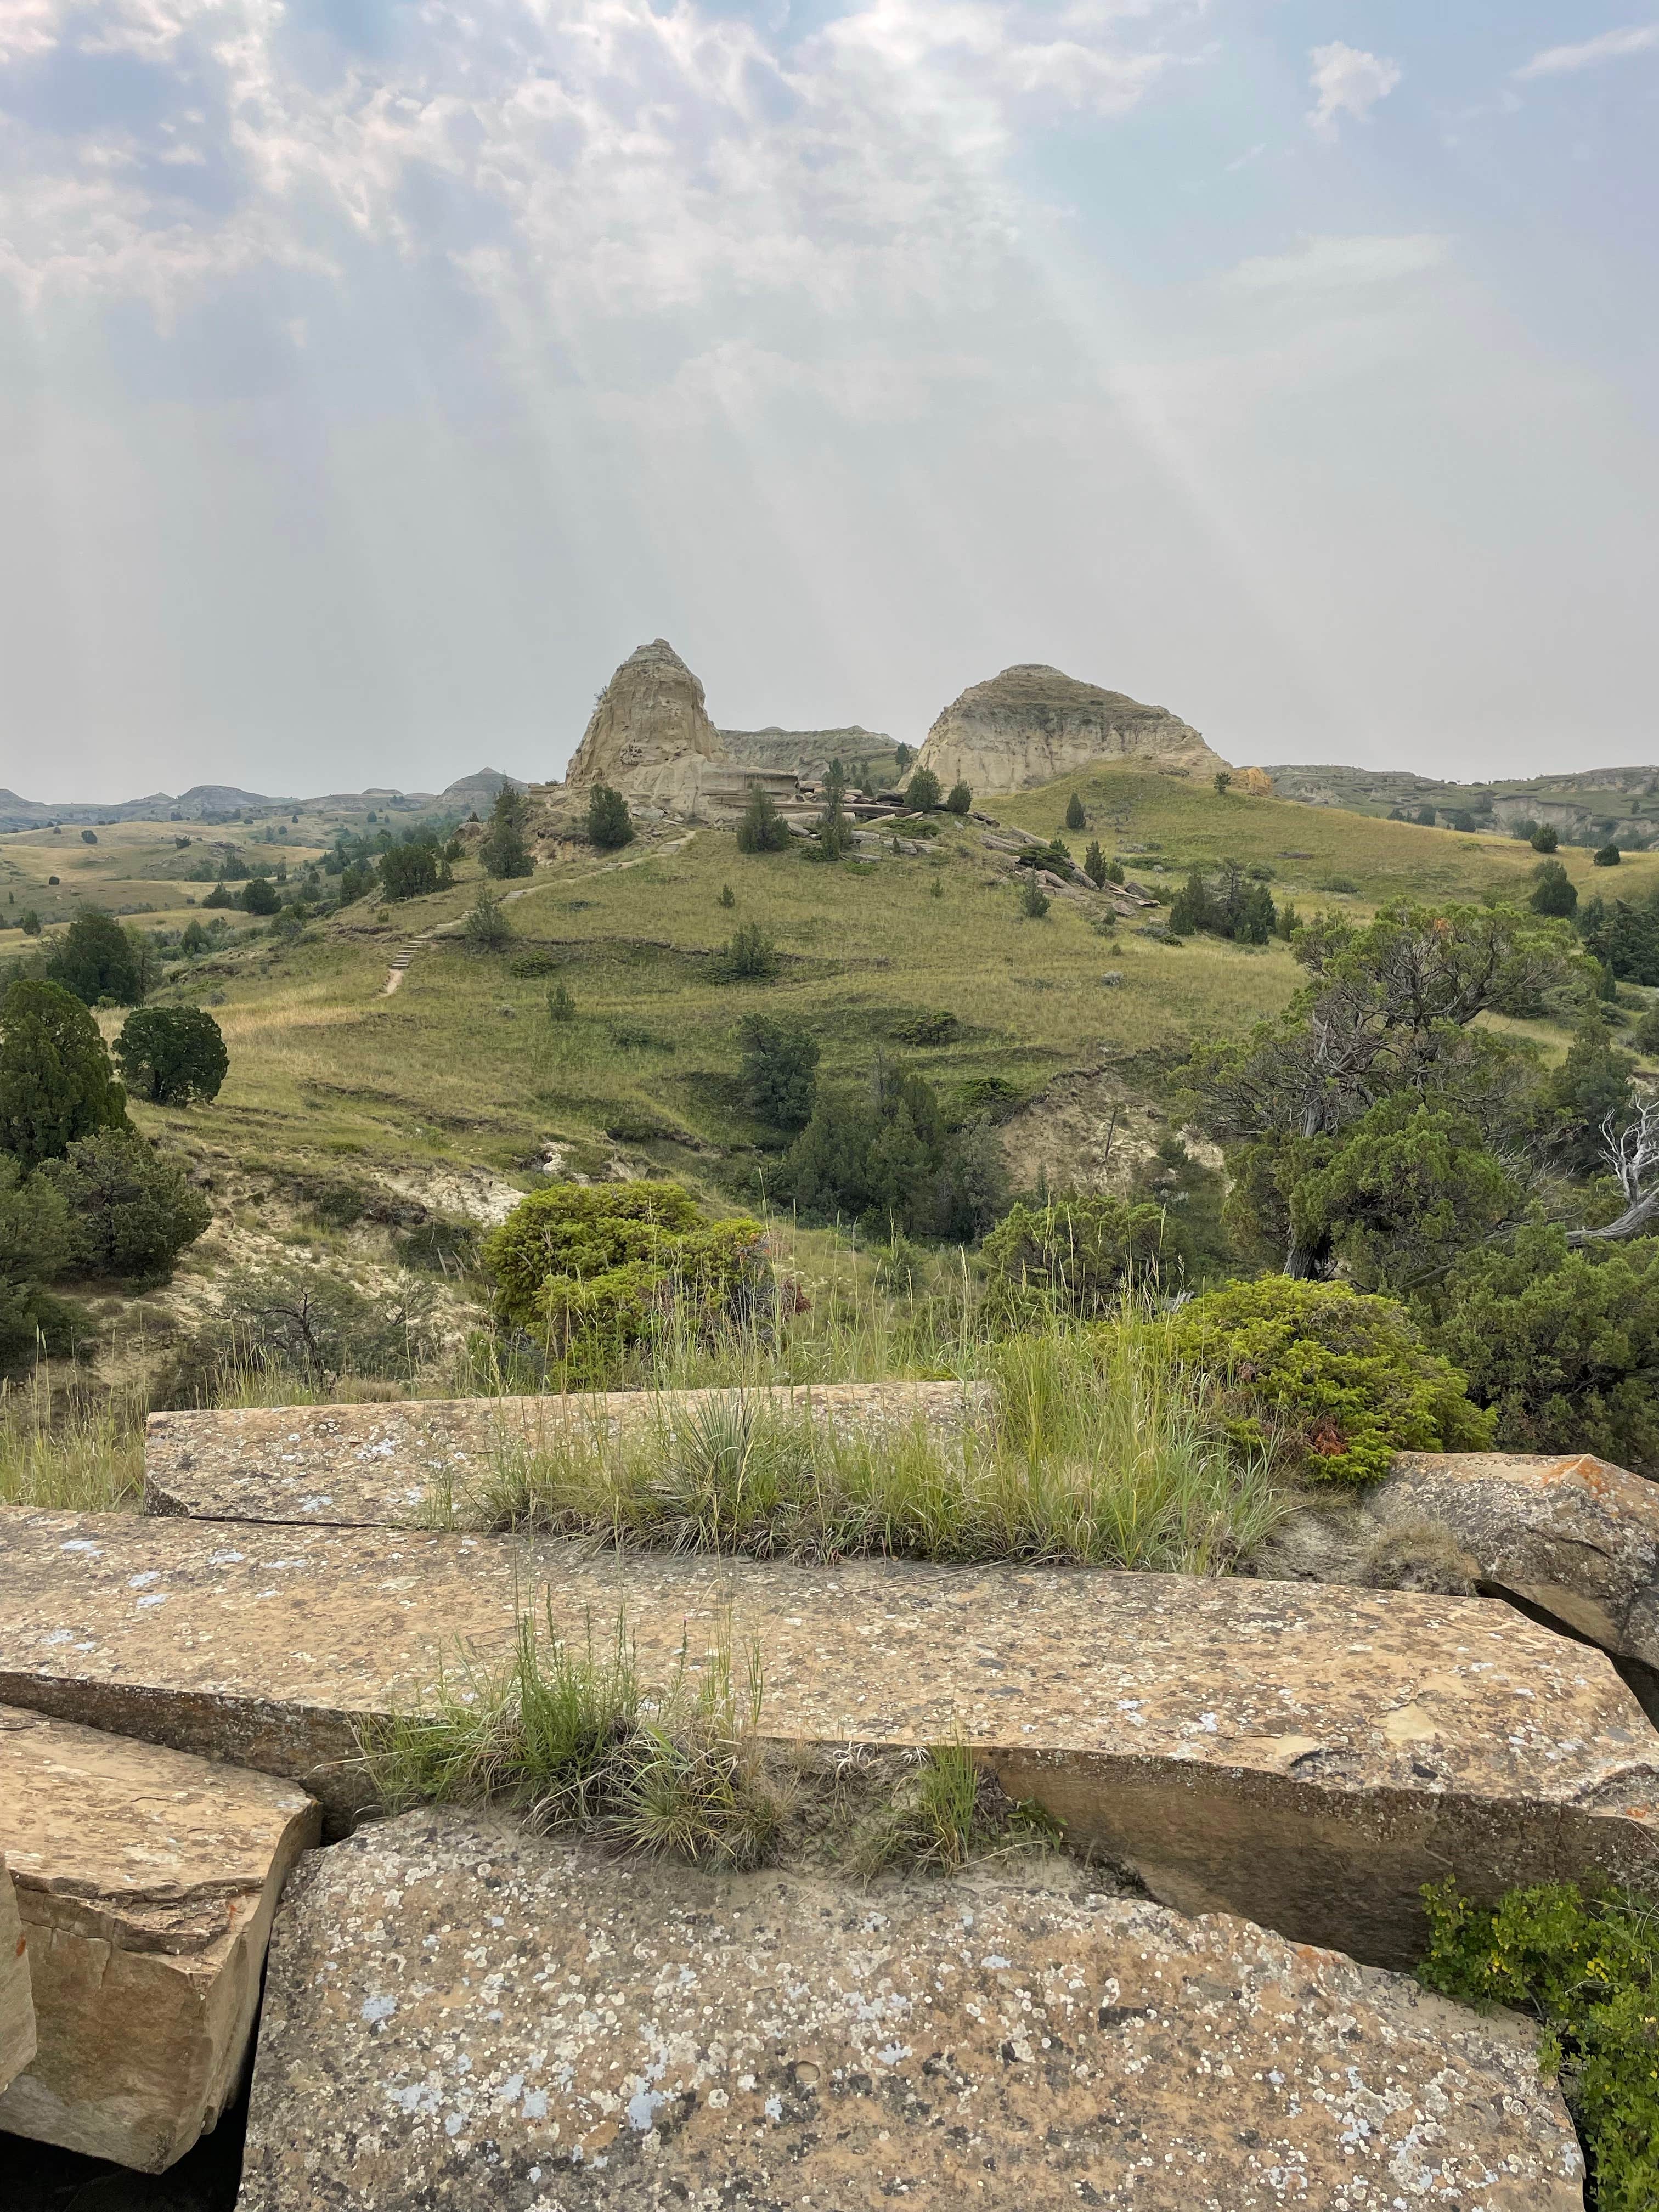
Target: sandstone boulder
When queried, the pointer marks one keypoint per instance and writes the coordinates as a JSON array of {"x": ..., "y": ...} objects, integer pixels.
[
  {"x": 650, "y": 732},
  {"x": 146, "y": 1883},
  {"x": 1574, "y": 1537},
  {"x": 420, "y": 1461},
  {"x": 1031, "y": 725},
  {"x": 17, "y": 2002},
  {"x": 459, "y": 2016},
  {"x": 1309, "y": 1758}
]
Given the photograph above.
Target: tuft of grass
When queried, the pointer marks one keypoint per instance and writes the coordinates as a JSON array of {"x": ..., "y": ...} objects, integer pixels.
[
  {"x": 1099, "y": 1452},
  {"x": 945, "y": 1812},
  {"x": 563, "y": 1734},
  {"x": 67, "y": 1451}
]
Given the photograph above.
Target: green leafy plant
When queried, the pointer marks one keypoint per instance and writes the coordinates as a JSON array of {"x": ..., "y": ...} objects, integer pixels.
[
  {"x": 561, "y": 1005},
  {"x": 1074, "y": 1255},
  {"x": 1545, "y": 838},
  {"x": 55, "y": 1081},
  {"x": 1335, "y": 1381},
  {"x": 173, "y": 1055},
  {"x": 779, "y": 1069},
  {"x": 1076, "y": 819},
  {"x": 260, "y": 895},
  {"x": 1033, "y": 900},
  {"x": 504, "y": 850},
  {"x": 96, "y": 958},
  {"x": 959, "y": 799},
  {"x": 486, "y": 927},
  {"x": 1587, "y": 1968},
  {"x": 609, "y": 825},
  {"x": 748, "y": 956},
  {"x": 591, "y": 1271},
  {"x": 924, "y": 792},
  {"x": 761, "y": 828},
  {"x": 1095, "y": 865},
  {"x": 1607, "y": 856},
  {"x": 1554, "y": 890},
  {"x": 131, "y": 1209}
]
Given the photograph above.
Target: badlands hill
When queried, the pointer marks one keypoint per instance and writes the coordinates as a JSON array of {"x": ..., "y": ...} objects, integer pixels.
[
  {"x": 649, "y": 734},
  {"x": 1032, "y": 725}
]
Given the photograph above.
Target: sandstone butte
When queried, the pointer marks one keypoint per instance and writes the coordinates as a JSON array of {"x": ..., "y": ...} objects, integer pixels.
[
  {"x": 1307, "y": 1756},
  {"x": 421, "y": 1461},
  {"x": 650, "y": 733},
  {"x": 460, "y": 2015},
  {"x": 1031, "y": 725},
  {"x": 146, "y": 1881},
  {"x": 17, "y": 2043}
]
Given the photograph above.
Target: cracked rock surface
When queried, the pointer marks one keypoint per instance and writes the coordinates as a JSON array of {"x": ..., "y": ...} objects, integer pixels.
[
  {"x": 146, "y": 1881},
  {"x": 460, "y": 2016}
]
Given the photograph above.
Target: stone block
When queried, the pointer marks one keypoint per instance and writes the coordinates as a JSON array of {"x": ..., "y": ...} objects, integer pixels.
[
  {"x": 1307, "y": 1756},
  {"x": 146, "y": 1881},
  {"x": 406, "y": 1464},
  {"x": 17, "y": 2002},
  {"x": 460, "y": 2017}
]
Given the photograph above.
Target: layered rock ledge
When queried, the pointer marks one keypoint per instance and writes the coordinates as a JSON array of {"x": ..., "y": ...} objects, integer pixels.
[
  {"x": 17, "y": 2043},
  {"x": 146, "y": 1883},
  {"x": 459, "y": 2016},
  {"x": 416, "y": 1462},
  {"x": 1307, "y": 1757},
  {"x": 1032, "y": 724}
]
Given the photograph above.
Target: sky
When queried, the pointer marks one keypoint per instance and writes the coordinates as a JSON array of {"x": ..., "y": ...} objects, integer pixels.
[{"x": 374, "y": 378}]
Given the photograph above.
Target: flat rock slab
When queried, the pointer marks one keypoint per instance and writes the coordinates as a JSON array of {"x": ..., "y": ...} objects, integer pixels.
[
  {"x": 146, "y": 1881},
  {"x": 1309, "y": 1757},
  {"x": 408, "y": 1464},
  {"x": 1576, "y": 1537},
  {"x": 16, "y": 2001},
  {"x": 460, "y": 2017}
]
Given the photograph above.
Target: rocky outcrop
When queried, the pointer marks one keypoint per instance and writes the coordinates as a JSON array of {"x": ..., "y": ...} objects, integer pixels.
[
  {"x": 1309, "y": 1758},
  {"x": 808, "y": 753},
  {"x": 1575, "y": 1538},
  {"x": 1031, "y": 725},
  {"x": 16, "y": 2003},
  {"x": 146, "y": 1881},
  {"x": 457, "y": 2016},
  {"x": 422, "y": 1462},
  {"x": 650, "y": 732}
]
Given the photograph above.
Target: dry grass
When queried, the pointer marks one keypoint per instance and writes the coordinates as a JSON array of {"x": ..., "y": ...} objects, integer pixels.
[{"x": 70, "y": 1448}]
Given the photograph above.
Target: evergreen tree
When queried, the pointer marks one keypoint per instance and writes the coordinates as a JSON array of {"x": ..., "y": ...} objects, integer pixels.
[
  {"x": 609, "y": 825},
  {"x": 1075, "y": 817},
  {"x": 55, "y": 1081},
  {"x": 761, "y": 829},
  {"x": 1545, "y": 838},
  {"x": 1094, "y": 863},
  {"x": 95, "y": 959},
  {"x": 959, "y": 799},
  {"x": 923, "y": 793},
  {"x": 172, "y": 1055},
  {"x": 505, "y": 848},
  {"x": 780, "y": 1070},
  {"x": 1555, "y": 891}
]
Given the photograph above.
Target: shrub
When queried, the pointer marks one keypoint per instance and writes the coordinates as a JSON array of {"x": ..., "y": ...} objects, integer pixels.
[
  {"x": 440, "y": 1248},
  {"x": 748, "y": 956},
  {"x": 1561, "y": 1344},
  {"x": 486, "y": 928},
  {"x": 55, "y": 1081},
  {"x": 1222, "y": 781},
  {"x": 1076, "y": 819},
  {"x": 1075, "y": 1256},
  {"x": 1033, "y": 900},
  {"x": 1545, "y": 838},
  {"x": 537, "y": 961},
  {"x": 311, "y": 1324},
  {"x": 560, "y": 1006},
  {"x": 219, "y": 895},
  {"x": 504, "y": 850},
  {"x": 30, "y": 923},
  {"x": 1588, "y": 1969},
  {"x": 893, "y": 1159},
  {"x": 261, "y": 895},
  {"x": 1094, "y": 863},
  {"x": 923, "y": 792},
  {"x": 591, "y": 1271},
  {"x": 131, "y": 1209},
  {"x": 1554, "y": 891},
  {"x": 959, "y": 799},
  {"x": 89, "y": 836},
  {"x": 1231, "y": 905},
  {"x": 96, "y": 958},
  {"x": 172, "y": 1055},
  {"x": 609, "y": 825},
  {"x": 832, "y": 835},
  {"x": 1340, "y": 1382},
  {"x": 728, "y": 897},
  {"x": 761, "y": 829},
  {"x": 413, "y": 869},
  {"x": 1608, "y": 856},
  {"x": 780, "y": 1070},
  {"x": 36, "y": 1246}
]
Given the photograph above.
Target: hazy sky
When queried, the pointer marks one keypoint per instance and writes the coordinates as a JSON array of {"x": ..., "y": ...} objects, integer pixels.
[{"x": 375, "y": 378}]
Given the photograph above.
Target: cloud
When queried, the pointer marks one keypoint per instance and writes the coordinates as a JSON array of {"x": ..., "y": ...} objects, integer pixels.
[
  {"x": 1328, "y": 264},
  {"x": 1347, "y": 81},
  {"x": 1606, "y": 47}
]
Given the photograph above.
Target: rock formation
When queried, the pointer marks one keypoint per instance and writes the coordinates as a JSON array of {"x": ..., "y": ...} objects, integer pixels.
[
  {"x": 146, "y": 1880},
  {"x": 17, "y": 2043},
  {"x": 808, "y": 753},
  {"x": 1031, "y": 725},
  {"x": 650, "y": 733}
]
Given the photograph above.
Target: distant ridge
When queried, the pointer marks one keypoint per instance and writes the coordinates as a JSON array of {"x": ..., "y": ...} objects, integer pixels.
[
  {"x": 218, "y": 802},
  {"x": 1585, "y": 806}
]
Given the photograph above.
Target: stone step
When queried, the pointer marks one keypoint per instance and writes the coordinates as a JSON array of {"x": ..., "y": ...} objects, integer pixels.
[
  {"x": 16, "y": 2000},
  {"x": 1306, "y": 1756},
  {"x": 458, "y": 2016},
  {"x": 146, "y": 1881},
  {"x": 403, "y": 1464}
]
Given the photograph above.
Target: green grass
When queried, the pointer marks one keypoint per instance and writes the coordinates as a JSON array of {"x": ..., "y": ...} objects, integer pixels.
[
  {"x": 1098, "y": 1452},
  {"x": 68, "y": 1448}
]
